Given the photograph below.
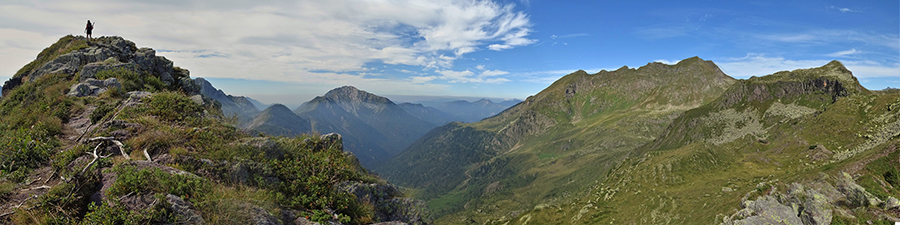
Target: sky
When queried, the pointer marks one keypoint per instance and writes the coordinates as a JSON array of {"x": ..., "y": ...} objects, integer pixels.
[{"x": 291, "y": 51}]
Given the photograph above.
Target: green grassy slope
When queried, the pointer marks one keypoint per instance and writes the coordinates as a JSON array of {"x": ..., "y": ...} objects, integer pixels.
[
  {"x": 554, "y": 144},
  {"x": 761, "y": 135}
]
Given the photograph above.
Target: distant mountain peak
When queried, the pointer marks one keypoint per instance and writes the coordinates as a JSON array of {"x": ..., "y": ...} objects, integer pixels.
[
  {"x": 277, "y": 107},
  {"x": 279, "y": 120},
  {"x": 352, "y": 94},
  {"x": 483, "y": 101}
]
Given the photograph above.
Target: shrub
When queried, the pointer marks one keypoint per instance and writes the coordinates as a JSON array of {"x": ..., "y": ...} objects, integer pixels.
[
  {"x": 153, "y": 84},
  {"x": 171, "y": 106},
  {"x": 309, "y": 175},
  {"x": 118, "y": 214},
  {"x": 153, "y": 180}
]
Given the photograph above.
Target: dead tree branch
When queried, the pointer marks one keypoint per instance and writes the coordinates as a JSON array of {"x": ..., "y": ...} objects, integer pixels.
[
  {"x": 95, "y": 155},
  {"x": 114, "y": 141},
  {"x": 147, "y": 155}
]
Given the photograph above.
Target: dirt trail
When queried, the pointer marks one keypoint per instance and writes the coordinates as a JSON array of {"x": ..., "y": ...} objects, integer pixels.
[{"x": 42, "y": 179}]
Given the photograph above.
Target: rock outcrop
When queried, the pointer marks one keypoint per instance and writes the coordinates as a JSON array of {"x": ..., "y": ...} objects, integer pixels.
[
  {"x": 813, "y": 205},
  {"x": 93, "y": 87},
  {"x": 108, "y": 54},
  {"x": 231, "y": 105},
  {"x": 389, "y": 203},
  {"x": 857, "y": 196}
]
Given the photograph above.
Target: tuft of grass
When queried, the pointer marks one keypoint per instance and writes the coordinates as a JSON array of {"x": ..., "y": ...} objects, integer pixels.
[
  {"x": 171, "y": 106},
  {"x": 153, "y": 180},
  {"x": 154, "y": 140},
  {"x": 6, "y": 188}
]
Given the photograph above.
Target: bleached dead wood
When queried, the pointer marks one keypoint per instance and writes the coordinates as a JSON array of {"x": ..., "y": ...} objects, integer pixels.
[
  {"x": 114, "y": 141},
  {"x": 95, "y": 155},
  {"x": 147, "y": 155}
]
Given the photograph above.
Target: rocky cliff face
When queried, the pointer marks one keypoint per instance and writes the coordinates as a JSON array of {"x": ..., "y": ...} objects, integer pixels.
[
  {"x": 803, "y": 91},
  {"x": 231, "y": 105}
]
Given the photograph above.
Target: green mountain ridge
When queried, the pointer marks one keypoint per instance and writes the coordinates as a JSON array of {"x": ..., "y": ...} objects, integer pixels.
[
  {"x": 668, "y": 144},
  {"x": 545, "y": 147},
  {"x": 807, "y": 127}
]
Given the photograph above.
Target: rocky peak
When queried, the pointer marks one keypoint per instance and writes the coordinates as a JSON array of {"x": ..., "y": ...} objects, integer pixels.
[
  {"x": 77, "y": 56},
  {"x": 832, "y": 80},
  {"x": 208, "y": 90},
  {"x": 351, "y": 94}
]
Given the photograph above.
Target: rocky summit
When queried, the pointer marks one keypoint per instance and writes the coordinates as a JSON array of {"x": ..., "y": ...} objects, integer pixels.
[
  {"x": 88, "y": 59},
  {"x": 103, "y": 132}
]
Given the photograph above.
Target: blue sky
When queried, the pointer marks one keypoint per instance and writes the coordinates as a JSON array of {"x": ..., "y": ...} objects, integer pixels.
[{"x": 291, "y": 51}]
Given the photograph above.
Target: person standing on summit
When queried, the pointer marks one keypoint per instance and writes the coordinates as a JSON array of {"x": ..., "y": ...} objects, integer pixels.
[{"x": 88, "y": 29}]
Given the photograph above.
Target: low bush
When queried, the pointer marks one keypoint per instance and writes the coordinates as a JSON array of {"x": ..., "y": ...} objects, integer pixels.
[
  {"x": 172, "y": 106},
  {"x": 153, "y": 180},
  {"x": 118, "y": 214}
]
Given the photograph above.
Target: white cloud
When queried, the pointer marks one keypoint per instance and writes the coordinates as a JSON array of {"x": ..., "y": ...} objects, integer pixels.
[
  {"x": 491, "y": 73},
  {"x": 549, "y": 76},
  {"x": 866, "y": 69},
  {"x": 845, "y": 10},
  {"x": 279, "y": 41},
  {"x": 825, "y": 37},
  {"x": 467, "y": 76},
  {"x": 761, "y": 65},
  {"x": 498, "y": 47},
  {"x": 457, "y": 76},
  {"x": 422, "y": 79},
  {"x": 845, "y": 53},
  {"x": 667, "y": 62}
]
